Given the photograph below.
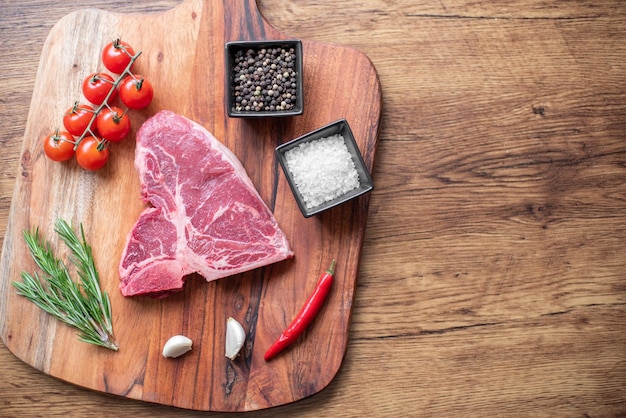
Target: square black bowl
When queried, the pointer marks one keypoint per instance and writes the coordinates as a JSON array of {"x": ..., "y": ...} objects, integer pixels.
[
  {"x": 342, "y": 128},
  {"x": 236, "y": 78}
]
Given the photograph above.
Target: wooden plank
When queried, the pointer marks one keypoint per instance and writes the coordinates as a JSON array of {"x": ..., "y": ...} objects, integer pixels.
[{"x": 187, "y": 70}]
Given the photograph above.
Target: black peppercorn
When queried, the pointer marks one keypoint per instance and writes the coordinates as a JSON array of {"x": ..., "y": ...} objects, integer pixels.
[{"x": 262, "y": 77}]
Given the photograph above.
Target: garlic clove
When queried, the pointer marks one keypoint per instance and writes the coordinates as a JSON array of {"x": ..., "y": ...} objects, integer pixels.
[
  {"x": 235, "y": 337},
  {"x": 176, "y": 346}
]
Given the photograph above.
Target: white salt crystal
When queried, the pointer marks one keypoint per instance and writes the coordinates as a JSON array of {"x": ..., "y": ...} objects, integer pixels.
[{"x": 322, "y": 169}]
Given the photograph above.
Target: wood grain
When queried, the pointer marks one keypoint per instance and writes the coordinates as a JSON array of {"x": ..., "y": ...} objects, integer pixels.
[
  {"x": 492, "y": 275},
  {"x": 187, "y": 68}
]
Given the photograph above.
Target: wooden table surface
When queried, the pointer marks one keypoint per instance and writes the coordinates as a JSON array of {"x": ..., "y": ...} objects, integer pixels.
[{"x": 492, "y": 280}]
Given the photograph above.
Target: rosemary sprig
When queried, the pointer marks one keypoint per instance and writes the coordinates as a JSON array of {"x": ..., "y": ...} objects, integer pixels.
[{"x": 80, "y": 304}]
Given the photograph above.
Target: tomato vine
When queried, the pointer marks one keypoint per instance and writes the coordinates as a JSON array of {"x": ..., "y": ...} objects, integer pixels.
[{"x": 102, "y": 122}]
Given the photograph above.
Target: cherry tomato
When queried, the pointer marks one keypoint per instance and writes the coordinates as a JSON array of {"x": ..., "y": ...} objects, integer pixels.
[
  {"x": 59, "y": 146},
  {"x": 136, "y": 92},
  {"x": 76, "y": 119},
  {"x": 116, "y": 56},
  {"x": 113, "y": 124},
  {"x": 91, "y": 153},
  {"x": 96, "y": 87}
]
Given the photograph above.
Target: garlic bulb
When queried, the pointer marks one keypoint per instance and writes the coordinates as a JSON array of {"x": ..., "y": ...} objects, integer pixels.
[{"x": 176, "y": 346}]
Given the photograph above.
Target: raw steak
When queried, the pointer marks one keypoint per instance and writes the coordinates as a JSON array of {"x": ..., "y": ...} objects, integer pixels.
[{"x": 205, "y": 215}]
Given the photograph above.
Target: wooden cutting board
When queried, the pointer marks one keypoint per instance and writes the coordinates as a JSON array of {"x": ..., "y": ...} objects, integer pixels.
[{"x": 183, "y": 55}]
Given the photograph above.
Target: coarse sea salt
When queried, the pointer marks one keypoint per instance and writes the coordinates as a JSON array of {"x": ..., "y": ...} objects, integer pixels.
[{"x": 322, "y": 169}]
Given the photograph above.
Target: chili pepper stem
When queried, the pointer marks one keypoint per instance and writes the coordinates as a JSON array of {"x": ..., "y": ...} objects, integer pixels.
[{"x": 331, "y": 269}]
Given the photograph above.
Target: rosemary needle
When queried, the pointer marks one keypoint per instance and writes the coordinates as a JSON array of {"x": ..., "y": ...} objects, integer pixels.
[{"x": 80, "y": 304}]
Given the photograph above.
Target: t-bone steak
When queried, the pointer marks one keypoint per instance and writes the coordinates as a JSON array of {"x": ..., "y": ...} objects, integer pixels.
[{"x": 205, "y": 215}]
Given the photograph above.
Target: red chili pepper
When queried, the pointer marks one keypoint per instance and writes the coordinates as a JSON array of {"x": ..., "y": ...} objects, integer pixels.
[{"x": 306, "y": 314}]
